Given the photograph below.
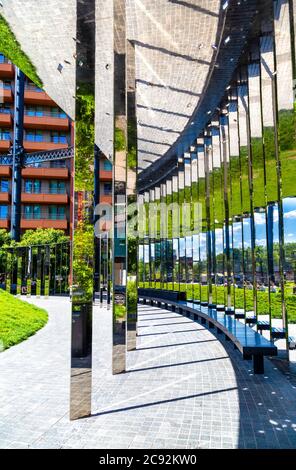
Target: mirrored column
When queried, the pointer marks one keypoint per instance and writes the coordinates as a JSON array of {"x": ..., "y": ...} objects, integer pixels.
[{"x": 83, "y": 244}]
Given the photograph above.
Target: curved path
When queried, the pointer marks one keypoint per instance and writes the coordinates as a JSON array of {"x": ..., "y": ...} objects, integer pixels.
[{"x": 184, "y": 389}]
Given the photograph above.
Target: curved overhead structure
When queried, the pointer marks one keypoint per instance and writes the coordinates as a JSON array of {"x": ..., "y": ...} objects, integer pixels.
[
  {"x": 46, "y": 32},
  {"x": 175, "y": 44},
  {"x": 235, "y": 24}
]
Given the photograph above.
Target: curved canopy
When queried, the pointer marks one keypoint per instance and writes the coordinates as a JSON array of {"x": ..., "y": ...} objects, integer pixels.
[{"x": 175, "y": 42}]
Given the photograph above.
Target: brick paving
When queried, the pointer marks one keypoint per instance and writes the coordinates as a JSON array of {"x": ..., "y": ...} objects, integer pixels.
[{"x": 184, "y": 389}]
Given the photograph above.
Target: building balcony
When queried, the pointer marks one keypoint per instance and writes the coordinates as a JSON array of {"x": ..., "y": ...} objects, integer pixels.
[
  {"x": 33, "y": 96},
  {"x": 6, "y": 70},
  {"x": 5, "y": 120},
  {"x": 46, "y": 122},
  {"x": 40, "y": 146},
  {"x": 59, "y": 224},
  {"x": 106, "y": 199},
  {"x": 45, "y": 198},
  {"x": 4, "y": 145},
  {"x": 4, "y": 223},
  {"x": 105, "y": 175},
  {"x": 46, "y": 173},
  {"x": 4, "y": 197},
  {"x": 5, "y": 170},
  {"x": 6, "y": 95}
]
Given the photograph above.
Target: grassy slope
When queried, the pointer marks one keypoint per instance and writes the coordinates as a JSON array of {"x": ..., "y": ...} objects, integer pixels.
[
  {"x": 12, "y": 50},
  {"x": 18, "y": 320}
]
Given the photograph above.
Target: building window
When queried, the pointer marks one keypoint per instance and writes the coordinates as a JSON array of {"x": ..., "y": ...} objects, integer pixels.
[
  {"x": 34, "y": 135},
  {"x": 107, "y": 165},
  {"x": 33, "y": 186},
  {"x": 4, "y": 134},
  {"x": 58, "y": 137},
  {"x": 32, "y": 212},
  {"x": 6, "y": 84},
  {"x": 107, "y": 188},
  {"x": 56, "y": 212},
  {"x": 58, "y": 164},
  {"x": 57, "y": 112},
  {"x": 3, "y": 211},
  {"x": 31, "y": 86},
  {"x": 5, "y": 109},
  {"x": 34, "y": 111},
  {"x": 57, "y": 187},
  {"x": 4, "y": 185}
]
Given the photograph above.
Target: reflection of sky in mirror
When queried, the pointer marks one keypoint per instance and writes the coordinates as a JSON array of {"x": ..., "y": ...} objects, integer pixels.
[
  {"x": 203, "y": 246},
  {"x": 237, "y": 235},
  {"x": 195, "y": 247},
  {"x": 182, "y": 246},
  {"x": 152, "y": 251},
  {"x": 219, "y": 240},
  {"x": 176, "y": 248},
  {"x": 247, "y": 232},
  {"x": 289, "y": 209},
  {"x": 260, "y": 228}
]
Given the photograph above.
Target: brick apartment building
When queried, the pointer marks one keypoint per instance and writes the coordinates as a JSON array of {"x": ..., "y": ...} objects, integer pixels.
[{"x": 46, "y": 187}]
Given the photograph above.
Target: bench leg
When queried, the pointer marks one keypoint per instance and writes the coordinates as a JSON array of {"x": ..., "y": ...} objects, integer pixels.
[
  {"x": 173, "y": 308},
  {"x": 258, "y": 363},
  {"x": 151, "y": 303},
  {"x": 180, "y": 311},
  {"x": 144, "y": 301},
  {"x": 211, "y": 326},
  {"x": 159, "y": 304},
  {"x": 203, "y": 321},
  {"x": 247, "y": 357}
]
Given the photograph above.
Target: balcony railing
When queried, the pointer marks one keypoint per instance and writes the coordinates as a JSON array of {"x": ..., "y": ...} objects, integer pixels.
[
  {"x": 60, "y": 115},
  {"x": 4, "y": 60},
  {"x": 42, "y": 139},
  {"x": 5, "y": 136},
  {"x": 42, "y": 216},
  {"x": 31, "y": 87},
  {"x": 48, "y": 191},
  {"x": 5, "y": 111}
]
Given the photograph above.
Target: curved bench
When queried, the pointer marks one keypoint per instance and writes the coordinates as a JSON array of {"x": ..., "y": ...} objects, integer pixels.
[{"x": 250, "y": 343}]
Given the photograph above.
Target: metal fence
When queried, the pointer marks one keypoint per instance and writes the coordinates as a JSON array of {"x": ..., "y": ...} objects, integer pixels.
[{"x": 36, "y": 269}]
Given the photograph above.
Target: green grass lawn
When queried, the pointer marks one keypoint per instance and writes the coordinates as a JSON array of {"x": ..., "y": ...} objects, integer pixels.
[{"x": 18, "y": 320}]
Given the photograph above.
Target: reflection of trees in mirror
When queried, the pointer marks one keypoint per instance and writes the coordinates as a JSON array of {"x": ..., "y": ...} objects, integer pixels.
[
  {"x": 201, "y": 293},
  {"x": 120, "y": 311},
  {"x": 12, "y": 49},
  {"x": 82, "y": 260},
  {"x": 84, "y": 148}
]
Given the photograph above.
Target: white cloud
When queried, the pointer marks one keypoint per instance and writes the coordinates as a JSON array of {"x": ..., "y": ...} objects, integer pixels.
[{"x": 290, "y": 214}]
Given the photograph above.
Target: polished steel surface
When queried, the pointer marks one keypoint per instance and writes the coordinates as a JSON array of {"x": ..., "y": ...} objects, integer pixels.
[
  {"x": 131, "y": 194},
  {"x": 82, "y": 257},
  {"x": 119, "y": 261}
]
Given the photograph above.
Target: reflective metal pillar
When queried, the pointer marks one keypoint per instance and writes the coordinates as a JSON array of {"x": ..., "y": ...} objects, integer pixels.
[
  {"x": 131, "y": 179},
  {"x": 119, "y": 192},
  {"x": 83, "y": 244}
]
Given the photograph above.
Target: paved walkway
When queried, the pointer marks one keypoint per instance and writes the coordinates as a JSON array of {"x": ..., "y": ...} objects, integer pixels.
[{"x": 184, "y": 389}]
